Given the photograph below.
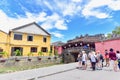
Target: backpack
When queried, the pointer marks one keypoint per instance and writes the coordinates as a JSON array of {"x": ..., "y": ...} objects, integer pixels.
[{"x": 101, "y": 57}]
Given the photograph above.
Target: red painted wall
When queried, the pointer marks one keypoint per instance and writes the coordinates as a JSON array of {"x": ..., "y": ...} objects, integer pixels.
[
  {"x": 59, "y": 49},
  {"x": 101, "y": 46}
]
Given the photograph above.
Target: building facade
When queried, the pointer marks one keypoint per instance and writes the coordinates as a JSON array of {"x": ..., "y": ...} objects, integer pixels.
[
  {"x": 57, "y": 47},
  {"x": 107, "y": 44},
  {"x": 27, "y": 38},
  {"x": 73, "y": 47}
]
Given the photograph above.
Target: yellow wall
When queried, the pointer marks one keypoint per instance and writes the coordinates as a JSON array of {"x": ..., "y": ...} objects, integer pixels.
[
  {"x": 3, "y": 41},
  {"x": 7, "y": 41}
]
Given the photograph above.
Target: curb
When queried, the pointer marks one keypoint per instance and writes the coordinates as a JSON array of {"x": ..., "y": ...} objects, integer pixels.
[{"x": 51, "y": 74}]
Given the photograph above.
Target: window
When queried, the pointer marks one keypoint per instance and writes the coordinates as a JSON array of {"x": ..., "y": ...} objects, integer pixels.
[
  {"x": 44, "y": 49},
  {"x": 29, "y": 38},
  {"x": 44, "y": 39},
  {"x": 17, "y": 36},
  {"x": 33, "y": 49}
]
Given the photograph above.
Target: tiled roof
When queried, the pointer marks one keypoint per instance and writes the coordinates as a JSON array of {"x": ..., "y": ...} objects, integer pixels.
[
  {"x": 85, "y": 39},
  {"x": 110, "y": 39},
  {"x": 58, "y": 43}
]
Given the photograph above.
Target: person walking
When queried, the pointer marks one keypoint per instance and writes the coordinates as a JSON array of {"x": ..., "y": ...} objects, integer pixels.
[
  {"x": 107, "y": 64},
  {"x": 84, "y": 60},
  {"x": 100, "y": 60},
  {"x": 118, "y": 58},
  {"x": 113, "y": 58},
  {"x": 93, "y": 59},
  {"x": 79, "y": 58}
]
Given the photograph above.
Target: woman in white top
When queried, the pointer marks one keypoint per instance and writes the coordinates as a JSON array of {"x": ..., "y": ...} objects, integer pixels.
[
  {"x": 84, "y": 60},
  {"x": 118, "y": 58},
  {"x": 93, "y": 60}
]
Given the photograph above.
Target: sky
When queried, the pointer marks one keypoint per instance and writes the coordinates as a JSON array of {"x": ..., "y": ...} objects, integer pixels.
[{"x": 63, "y": 19}]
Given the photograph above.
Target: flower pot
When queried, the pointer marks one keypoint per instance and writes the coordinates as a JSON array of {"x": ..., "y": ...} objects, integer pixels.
[
  {"x": 49, "y": 58},
  {"x": 17, "y": 60},
  {"x": 29, "y": 59},
  {"x": 2, "y": 61},
  {"x": 39, "y": 58},
  {"x": 55, "y": 57}
]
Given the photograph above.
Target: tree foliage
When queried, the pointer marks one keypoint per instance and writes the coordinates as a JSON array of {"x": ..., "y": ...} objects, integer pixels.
[
  {"x": 17, "y": 52},
  {"x": 116, "y": 30}
]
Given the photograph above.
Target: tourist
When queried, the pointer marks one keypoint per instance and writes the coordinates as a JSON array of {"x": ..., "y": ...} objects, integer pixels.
[
  {"x": 84, "y": 60},
  {"x": 118, "y": 58},
  {"x": 93, "y": 60},
  {"x": 107, "y": 64},
  {"x": 79, "y": 58},
  {"x": 89, "y": 58},
  {"x": 100, "y": 60},
  {"x": 113, "y": 58}
]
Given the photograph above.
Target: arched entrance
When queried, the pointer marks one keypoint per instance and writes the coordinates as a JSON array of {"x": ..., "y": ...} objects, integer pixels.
[{"x": 75, "y": 55}]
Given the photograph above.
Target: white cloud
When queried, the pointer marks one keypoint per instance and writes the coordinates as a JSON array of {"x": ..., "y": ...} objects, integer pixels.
[
  {"x": 60, "y": 25},
  {"x": 57, "y": 34},
  {"x": 7, "y": 23},
  {"x": 87, "y": 13},
  {"x": 48, "y": 22},
  {"x": 71, "y": 9},
  {"x": 48, "y": 5},
  {"x": 54, "y": 21},
  {"x": 115, "y": 5},
  {"x": 77, "y": 0},
  {"x": 89, "y": 8},
  {"x": 64, "y": 7}
]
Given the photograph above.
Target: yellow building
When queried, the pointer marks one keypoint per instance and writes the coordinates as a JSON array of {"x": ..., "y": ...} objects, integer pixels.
[{"x": 27, "y": 38}]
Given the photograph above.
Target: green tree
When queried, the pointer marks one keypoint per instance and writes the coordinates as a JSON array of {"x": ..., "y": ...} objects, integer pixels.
[
  {"x": 17, "y": 53},
  {"x": 50, "y": 53},
  {"x": 56, "y": 53},
  {"x": 116, "y": 30},
  {"x": 109, "y": 35},
  {"x": 4, "y": 53},
  {"x": 40, "y": 53},
  {"x": 30, "y": 54}
]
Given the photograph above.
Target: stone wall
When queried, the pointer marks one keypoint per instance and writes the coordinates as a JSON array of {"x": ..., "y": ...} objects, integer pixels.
[{"x": 23, "y": 61}]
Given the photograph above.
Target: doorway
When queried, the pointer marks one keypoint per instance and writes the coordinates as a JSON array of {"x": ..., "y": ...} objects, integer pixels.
[
  {"x": 75, "y": 55},
  {"x": 13, "y": 49}
]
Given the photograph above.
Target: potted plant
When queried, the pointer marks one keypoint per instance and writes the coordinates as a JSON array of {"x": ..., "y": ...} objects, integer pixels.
[
  {"x": 17, "y": 53},
  {"x": 40, "y": 54},
  {"x": 3, "y": 54},
  {"x": 50, "y": 54},
  {"x": 30, "y": 54}
]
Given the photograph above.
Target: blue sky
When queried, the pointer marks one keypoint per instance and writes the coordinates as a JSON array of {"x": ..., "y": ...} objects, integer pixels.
[{"x": 63, "y": 19}]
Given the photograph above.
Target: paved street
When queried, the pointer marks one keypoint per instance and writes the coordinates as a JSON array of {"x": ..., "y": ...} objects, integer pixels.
[
  {"x": 84, "y": 75},
  {"x": 62, "y": 72}
]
